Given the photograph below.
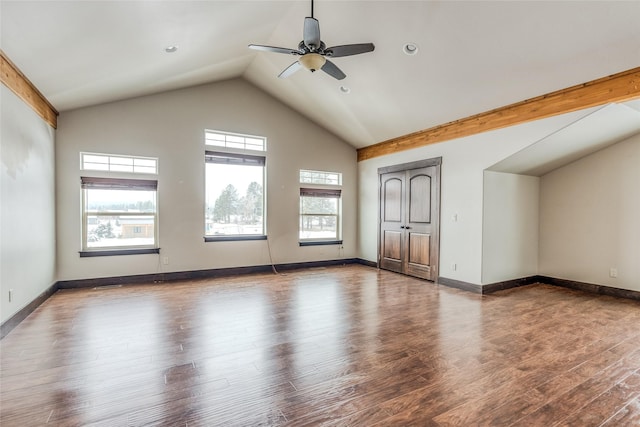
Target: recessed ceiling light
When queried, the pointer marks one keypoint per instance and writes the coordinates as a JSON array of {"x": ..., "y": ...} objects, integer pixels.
[
  {"x": 171, "y": 49},
  {"x": 344, "y": 89},
  {"x": 410, "y": 48}
]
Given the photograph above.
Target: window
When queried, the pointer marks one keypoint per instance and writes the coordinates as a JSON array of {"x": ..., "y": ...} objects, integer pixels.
[
  {"x": 115, "y": 163},
  {"x": 320, "y": 221},
  {"x": 119, "y": 216},
  {"x": 234, "y": 140},
  {"x": 318, "y": 177},
  {"x": 235, "y": 199}
]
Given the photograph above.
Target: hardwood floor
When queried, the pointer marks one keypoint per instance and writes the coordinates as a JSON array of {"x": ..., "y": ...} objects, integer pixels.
[{"x": 329, "y": 346}]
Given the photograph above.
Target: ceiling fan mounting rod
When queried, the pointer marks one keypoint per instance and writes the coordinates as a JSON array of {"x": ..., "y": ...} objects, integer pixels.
[{"x": 312, "y": 8}]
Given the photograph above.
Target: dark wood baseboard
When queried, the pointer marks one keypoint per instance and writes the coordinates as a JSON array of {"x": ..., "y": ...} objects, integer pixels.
[
  {"x": 459, "y": 284},
  {"x": 490, "y": 288},
  {"x": 315, "y": 264},
  {"x": 367, "y": 263},
  {"x": 590, "y": 287},
  {"x": 196, "y": 274},
  {"x": 8, "y": 325},
  {"x": 524, "y": 281},
  {"x": 508, "y": 284}
]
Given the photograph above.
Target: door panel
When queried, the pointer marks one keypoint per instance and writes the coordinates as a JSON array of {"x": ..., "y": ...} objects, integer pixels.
[
  {"x": 392, "y": 195},
  {"x": 419, "y": 248},
  {"x": 419, "y": 223},
  {"x": 418, "y": 258},
  {"x": 392, "y": 214},
  {"x": 409, "y": 220},
  {"x": 393, "y": 245},
  {"x": 420, "y": 199}
]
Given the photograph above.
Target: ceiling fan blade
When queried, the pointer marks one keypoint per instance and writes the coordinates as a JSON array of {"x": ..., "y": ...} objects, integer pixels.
[
  {"x": 274, "y": 49},
  {"x": 290, "y": 70},
  {"x": 311, "y": 33},
  {"x": 331, "y": 69},
  {"x": 349, "y": 49}
]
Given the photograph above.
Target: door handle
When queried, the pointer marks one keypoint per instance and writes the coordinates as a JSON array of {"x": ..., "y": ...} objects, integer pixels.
[
  {"x": 402, "y": 226},
  {"x": 407, "y": 227}
]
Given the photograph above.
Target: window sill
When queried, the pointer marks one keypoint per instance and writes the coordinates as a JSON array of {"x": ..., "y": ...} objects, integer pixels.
[
  {"x": 117, "y": 252},
  {"x": 236, "y": 238},
  {"x": 321, "y": 243}
]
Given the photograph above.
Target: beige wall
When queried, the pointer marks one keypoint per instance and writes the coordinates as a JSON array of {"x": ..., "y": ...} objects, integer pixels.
[
  {"x": 463, "y": 163},
  {"x": 510, "y": 226},
  {"x": 590, "y": 218},
  {"x": 27, "y": 208},
  {"x": 171, "y": 126}
]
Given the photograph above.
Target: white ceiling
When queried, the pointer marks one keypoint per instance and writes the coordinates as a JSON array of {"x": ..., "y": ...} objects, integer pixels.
[
  {"x": 473, "y": 55},
  {"x": 597, "y": 130}
]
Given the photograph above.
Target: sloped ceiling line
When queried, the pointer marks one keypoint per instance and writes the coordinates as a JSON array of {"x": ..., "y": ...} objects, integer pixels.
[
  {"x": 596, "y": 131},
  {"x": 620, "y": 87}
]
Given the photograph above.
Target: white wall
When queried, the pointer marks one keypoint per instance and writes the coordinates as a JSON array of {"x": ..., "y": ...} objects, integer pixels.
[
  {"x": 171, "y": 126},
  {"x": 510, "y": 226},
  {"x": 463, "y": 163},
  {"x": 590, "y": 218},
  {"x": 27, "y": 212}
]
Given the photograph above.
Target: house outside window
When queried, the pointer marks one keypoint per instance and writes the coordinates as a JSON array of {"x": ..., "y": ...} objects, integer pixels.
[
  {"x": 235, "y": 196},
  {"x": 119, "y": 215},
  {"x": 320, "y": 208}
]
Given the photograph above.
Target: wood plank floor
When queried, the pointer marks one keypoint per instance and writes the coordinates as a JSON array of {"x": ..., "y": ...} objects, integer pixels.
[{"x": 348, "y": 346}]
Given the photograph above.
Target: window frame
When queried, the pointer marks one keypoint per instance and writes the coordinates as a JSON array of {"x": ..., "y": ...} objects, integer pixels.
[
  {"x": 231, "y": 145},
  {"x": 145, "y": 170},
  {"x": 237, "y": 157},
  {"x": 321, "y": 192},
  {"x": 322, "y": 178},
  {"x": 88, "y": 183}
]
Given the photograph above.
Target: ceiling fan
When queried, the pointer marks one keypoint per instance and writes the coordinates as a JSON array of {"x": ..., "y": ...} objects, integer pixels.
[{"x": 313, "y": 53}]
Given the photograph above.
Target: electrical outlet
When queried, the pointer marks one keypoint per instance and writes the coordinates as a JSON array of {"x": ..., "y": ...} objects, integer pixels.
[
  {"x": 165, "y": 260},
  {"x": 613, "y": 272},
  {"x": 454, "y": 266},
  {"x": 10, "y": 295}
]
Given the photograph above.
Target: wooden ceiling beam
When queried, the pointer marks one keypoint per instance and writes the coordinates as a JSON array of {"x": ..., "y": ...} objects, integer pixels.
[
  {"x": 19, "y": 84},
  {"x": 619, "y": 87}
]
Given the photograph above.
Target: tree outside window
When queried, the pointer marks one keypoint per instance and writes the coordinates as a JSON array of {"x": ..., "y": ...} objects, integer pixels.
[
  {"x": 319, "y": 214},
  {"x": 234, "y": 196}
]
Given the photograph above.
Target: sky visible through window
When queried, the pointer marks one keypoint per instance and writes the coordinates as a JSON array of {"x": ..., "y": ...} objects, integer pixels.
[
  {"x": 239, "y": 176},
  {"x": 109, "y": 199}
]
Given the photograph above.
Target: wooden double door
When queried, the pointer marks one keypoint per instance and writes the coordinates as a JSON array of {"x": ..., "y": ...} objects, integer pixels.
[{"x": 409, "y": 232}]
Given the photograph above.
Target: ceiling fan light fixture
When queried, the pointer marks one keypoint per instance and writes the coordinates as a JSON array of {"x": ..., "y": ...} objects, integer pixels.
[{"x": 312, "y": 61}]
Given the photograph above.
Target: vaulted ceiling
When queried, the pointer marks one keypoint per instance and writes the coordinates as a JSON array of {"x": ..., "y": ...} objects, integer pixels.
[{"x": 473, "y": 56}]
